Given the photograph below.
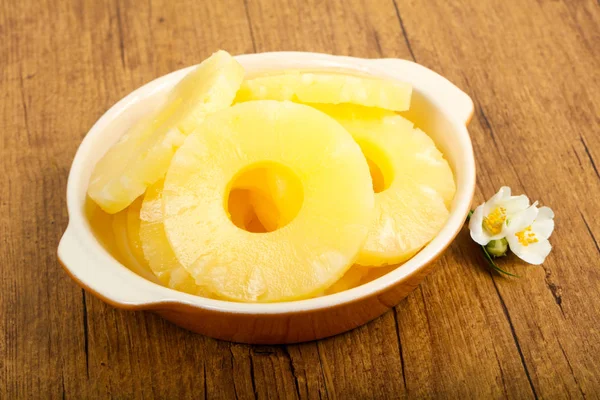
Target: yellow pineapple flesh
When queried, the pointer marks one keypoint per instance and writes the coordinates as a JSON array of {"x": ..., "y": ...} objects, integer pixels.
[
  {"x": 241, "y": 212},
  {"x": 142, "y": 156},
  {"x": 412, "y": 180},
  {"x": 295, "y": 261},
  {"x": 156, "y": 248},
  {"x": 125, "y": 240},
  {"x": 327, "y": 87},
  {"x": 351, "y": 278},
  {"x": 133, "y": 230}
]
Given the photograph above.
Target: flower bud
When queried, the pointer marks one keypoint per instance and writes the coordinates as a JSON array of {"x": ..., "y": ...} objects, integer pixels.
[{"x": 497, "y": 248}]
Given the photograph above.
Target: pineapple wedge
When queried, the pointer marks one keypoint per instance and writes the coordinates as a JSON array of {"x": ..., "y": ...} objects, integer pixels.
[
  {"x": 327, "y": 87},
  {"x": 156, "y": 248},
  {"x": 298, "y": 260},
  {"x": 413, "y": 182},
  {"x": 143, "y": 154}
]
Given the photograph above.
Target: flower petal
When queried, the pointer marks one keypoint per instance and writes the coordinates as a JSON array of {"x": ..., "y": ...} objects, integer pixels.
[
  {"x": 534, "y": 253},
  {"x": 522, "y": 220},
  {"x": 478, "y": 234},
  {"x": 545, "y": 213},
  {"x": 515, "y": 204},
  {"x": 503, "y": 193},
  {"x": 543, "y": 228}
]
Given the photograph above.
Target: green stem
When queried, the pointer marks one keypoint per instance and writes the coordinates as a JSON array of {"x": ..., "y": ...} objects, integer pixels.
[{"x": 493, "y": 265}]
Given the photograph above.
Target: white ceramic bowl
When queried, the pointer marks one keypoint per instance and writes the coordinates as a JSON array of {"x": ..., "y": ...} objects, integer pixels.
[{"x": 438, "y": 107}]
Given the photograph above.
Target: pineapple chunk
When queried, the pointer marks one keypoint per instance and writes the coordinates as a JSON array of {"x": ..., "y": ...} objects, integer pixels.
[
  {"x": 143, "y": 154},
  {"x": 297, "y": 260},
  {"x": 327, "y": 87},
  {"x": 413, "y": 183},
  {"x": 156, "y": 248}
]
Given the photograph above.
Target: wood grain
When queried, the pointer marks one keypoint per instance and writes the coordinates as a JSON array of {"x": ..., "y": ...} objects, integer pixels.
[{"x": 533, "y": 70}]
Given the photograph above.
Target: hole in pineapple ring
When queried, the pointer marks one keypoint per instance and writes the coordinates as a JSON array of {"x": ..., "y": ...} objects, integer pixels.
[
  {"x": 380, "y": 166},
  {"x": 264, "y": 197}
]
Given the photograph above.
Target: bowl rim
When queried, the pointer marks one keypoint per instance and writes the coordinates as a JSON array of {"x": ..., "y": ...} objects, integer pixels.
[{"x": 167, "y": 298}]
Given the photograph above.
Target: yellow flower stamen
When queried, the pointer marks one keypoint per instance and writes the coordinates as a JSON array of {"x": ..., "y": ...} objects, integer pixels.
[
  {"x": 526, "y": 236},
  {"x": 495, "y": 220}
]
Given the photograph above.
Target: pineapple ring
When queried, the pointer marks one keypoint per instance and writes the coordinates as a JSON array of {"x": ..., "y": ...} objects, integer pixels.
[
  {"x": 298, "y": 260},
  {"x": 327, "y": 87},
  {"x": 125, "y": 239},
  {"x": 133, "y": 229},
  {"x": 416, "y": 184},
  {"x": 142, "y": 155},
  {"x": 156, "y": 248}
]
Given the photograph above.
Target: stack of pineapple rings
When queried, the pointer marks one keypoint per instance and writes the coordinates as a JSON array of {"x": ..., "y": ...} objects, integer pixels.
[{"x": 308, "y": 182}]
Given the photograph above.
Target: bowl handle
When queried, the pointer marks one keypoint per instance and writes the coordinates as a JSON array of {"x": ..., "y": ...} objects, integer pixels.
[
  {"x": 438, "y": 89},
  {"x": 94, "y": 270}
]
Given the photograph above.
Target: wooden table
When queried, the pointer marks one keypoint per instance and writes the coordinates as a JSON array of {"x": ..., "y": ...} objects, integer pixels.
[{"x": 533, "y": 70}]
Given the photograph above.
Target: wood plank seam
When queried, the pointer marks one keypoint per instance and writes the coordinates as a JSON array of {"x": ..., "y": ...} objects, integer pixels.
[
  {"x": 326, "y": 374},
  {"x": 577, "y": 156},
  {"x": 292, "y": 369},
  {"x": 85, "y": 334},
  {"x": 120, "y": 34},
  {"x": 377, "y": 43},
  {"x": 252, "y": 378},
  {"x": 62, "y": 387},
  {"x": 570, "y": 368},
  {"x": 514, "y": 335},
  {"x": 590, "y": 232},
  {"x": 204, "y": 383},
  {"x": 587, "y": 151},
  {"x": 395, "y": 313},
  {"x": 250, "y": 25},
  {"x": 404, "y": 33},
  {"x": 233, "y": 360}
]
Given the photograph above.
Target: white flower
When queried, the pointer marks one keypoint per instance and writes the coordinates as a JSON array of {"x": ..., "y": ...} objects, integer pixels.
[
  {"x": 527, "y": 233},
  {"x": 489, "y": 220}
]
